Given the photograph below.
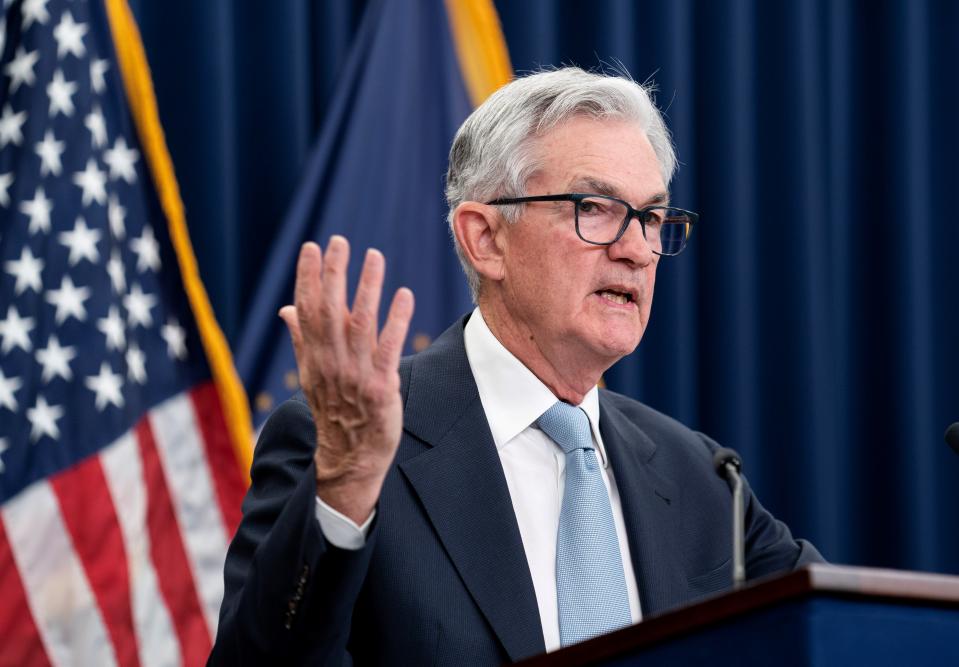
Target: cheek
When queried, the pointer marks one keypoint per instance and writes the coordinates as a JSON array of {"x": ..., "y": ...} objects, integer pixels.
[
  {"x": 549, "y": 272},
  {"x": 566, "y": 288},
  {"x": 648, "y": 301}
]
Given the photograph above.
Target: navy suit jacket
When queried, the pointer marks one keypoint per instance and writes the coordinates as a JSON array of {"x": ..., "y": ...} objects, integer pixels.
[{"x": 443, "y": 577}]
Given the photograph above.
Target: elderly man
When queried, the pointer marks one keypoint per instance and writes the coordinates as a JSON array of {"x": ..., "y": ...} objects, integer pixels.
[{"x": 483, "y": 501}]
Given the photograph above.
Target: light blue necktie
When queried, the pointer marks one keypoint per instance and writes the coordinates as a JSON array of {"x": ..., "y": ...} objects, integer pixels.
[{"x": 590, "y": 584}]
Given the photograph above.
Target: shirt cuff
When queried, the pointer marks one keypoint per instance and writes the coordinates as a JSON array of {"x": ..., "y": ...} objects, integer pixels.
[{"x": 339, "y": 530}]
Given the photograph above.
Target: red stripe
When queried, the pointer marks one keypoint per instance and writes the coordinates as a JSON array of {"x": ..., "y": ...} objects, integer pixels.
[
  {"x": 227, "y": 480},
  {"x": 87, "y": 510},
  {"x": 169, "y": 556},
  {"x": 21, "y": 644}
]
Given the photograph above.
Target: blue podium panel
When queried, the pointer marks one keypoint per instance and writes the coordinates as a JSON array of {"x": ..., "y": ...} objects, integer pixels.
[
  {"x": 818, "y": 616},
  {"x": 816, "y": 632}
]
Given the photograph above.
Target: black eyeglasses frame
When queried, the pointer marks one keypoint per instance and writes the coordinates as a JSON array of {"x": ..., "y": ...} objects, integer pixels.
[{"x": 641, "y": 214}]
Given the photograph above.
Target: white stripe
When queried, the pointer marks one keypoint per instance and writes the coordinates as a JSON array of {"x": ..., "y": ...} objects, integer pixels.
[
  {"x": 194, "y": 499},
  {"x": 58, "y": 592},
  {"x": 156, "y": 639}
]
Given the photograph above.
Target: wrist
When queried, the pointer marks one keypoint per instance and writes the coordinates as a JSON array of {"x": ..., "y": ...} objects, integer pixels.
[{"x": 348, "y": 492}]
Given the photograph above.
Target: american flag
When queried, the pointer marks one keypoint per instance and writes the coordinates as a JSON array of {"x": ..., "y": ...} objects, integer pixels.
[{"x": 119, "y": 479}]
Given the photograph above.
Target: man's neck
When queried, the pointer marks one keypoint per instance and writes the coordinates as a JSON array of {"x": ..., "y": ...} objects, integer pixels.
[{"x": 568, "y": 375}]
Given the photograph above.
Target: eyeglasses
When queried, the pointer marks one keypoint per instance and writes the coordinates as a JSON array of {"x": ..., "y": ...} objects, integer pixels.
[{"x": 602, "y": 220}]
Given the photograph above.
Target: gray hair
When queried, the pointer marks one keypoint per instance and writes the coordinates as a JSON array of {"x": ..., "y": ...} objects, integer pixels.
[{"x": 493, "y": 152}]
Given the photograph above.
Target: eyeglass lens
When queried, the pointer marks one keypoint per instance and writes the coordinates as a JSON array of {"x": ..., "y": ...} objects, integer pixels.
[{"x": 599, "y": 221}]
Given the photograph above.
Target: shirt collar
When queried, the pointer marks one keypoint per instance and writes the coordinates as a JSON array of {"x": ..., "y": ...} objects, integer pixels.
[{"x": 513, "y": 397}]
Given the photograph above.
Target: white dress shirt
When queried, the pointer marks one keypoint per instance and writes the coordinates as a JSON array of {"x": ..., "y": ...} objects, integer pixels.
[{"x": 513, "y": 398}]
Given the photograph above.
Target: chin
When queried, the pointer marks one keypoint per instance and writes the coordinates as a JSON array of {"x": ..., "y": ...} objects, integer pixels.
[{"x": 615, "y": 345}]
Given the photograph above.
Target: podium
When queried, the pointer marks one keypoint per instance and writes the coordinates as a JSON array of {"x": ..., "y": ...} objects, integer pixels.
[{"x": 821, "y": 615}]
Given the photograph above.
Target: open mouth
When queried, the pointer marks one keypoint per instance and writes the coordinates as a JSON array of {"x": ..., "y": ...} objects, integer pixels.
[{"x": 622, "y": 298}]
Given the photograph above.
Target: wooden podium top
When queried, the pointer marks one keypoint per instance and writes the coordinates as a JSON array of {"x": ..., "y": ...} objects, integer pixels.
[{"x": 892, "y": 586}]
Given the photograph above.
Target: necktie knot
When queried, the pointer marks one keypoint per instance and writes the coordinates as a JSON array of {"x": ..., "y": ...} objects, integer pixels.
[{"x": 568, "y": 426}]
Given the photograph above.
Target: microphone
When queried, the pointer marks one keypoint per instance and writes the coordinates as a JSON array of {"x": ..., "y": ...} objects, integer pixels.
[
  {"x": 728, "y": 464},
  {"x": 952, "y": 437}
]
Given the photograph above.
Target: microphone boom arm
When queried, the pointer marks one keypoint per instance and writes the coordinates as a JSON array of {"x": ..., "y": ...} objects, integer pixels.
[
  {"x": 739, "y": 566},
  {"x": 728, "y": 464}
]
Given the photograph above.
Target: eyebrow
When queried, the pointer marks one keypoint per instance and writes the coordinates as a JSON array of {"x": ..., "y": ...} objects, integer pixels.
[{"x": 596, "y": 186}]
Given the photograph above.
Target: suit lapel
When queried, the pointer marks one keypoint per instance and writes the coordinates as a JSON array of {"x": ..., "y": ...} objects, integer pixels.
[
  {"x": 651, "y": 510},
  {"x": 461, "y": 484}
]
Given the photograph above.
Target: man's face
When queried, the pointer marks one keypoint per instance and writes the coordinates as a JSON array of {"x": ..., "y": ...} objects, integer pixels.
[{"x": 567, "y": 295}]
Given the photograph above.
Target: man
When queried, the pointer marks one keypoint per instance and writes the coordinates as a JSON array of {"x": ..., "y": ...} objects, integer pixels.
[{"x": 483, "y": 501}]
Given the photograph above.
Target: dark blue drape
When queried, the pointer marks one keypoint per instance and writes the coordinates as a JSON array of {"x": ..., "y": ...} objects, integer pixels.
[
  {"x": 375, "y": 176},
  {"x": 812, "y": 323}
]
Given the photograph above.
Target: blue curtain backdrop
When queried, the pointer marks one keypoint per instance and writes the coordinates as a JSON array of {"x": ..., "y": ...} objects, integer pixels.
[{"x": 813, "y": 323}]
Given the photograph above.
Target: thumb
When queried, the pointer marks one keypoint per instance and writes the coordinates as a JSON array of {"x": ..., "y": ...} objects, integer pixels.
[{"x": 289, "y": 316}]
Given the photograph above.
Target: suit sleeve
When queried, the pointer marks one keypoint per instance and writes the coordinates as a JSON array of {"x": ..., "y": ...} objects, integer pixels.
[
  {"x": 770, "y": 546},
  {"x": 289, "y": 594}
]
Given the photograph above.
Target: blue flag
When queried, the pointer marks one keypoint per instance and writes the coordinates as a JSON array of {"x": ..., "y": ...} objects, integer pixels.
[{"x": 376, "y": 177}]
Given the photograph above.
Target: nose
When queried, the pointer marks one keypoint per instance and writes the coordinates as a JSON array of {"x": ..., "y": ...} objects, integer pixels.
[{"x": 632, "y": 246}]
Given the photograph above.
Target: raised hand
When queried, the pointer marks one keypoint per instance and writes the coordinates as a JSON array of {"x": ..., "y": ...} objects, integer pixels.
[{"x": 348, "y": 372}]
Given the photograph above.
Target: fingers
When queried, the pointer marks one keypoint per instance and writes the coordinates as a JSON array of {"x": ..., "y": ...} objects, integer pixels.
[
  {"x": 332, "y": 311},
  {"x": 292, "y": 320},
  {"x": 387, "y": 357},
  {"x": 308, "y": 268},
  {"x": 366, "y": 305},
  {"x": 320, "y": 320},
  {"x": 305, "y": 296}
]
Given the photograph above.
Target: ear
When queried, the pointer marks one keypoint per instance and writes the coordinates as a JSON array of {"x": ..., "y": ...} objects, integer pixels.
[{"x": 479, "y": 230}]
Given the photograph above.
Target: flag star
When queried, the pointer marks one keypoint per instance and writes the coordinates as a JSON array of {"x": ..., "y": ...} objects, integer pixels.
[
  {"x": 3, "y": 448},
  {"x": 106, "y": 385},
  {"x": 97, "y": 69},
  {"x": 69, "y": 36},
  {"x": 121, "y": 160},
  {"x": 27, "y": 272},
  {"x": 97, "y": 126},
  {"x": 147, "y": 250},
  {"x": 138, "y": 306},
  {"x": 112, "y": 327},
  {"x": 68, "y": 300},
  {"x": 175, "y": 338},
  {"x": 34, "y": 10},
  {"x": 55, "y": 360},
  {"x": 20, "y": 69},
  {"x": 93, "y": 182},
  {"x": 6, "y": 180},
  {"x": 82, "y": 242},
  {"x": 49, "y": 151},
  {"x": 15, "y": 331},
  {"x": 136, "y": 364},
  {"x": 38, "y": 209},
  {"x": 7, "y": 388},
  {"x": 43, "y": 419},
  {"x": 116, "y": 214},
  {"x": 115, "y": 270},
  {"x": 61, "y": 95},
  {"x": 10, "y": 126}
]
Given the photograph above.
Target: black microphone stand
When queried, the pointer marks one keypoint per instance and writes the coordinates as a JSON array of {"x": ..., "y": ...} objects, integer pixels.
[{"x": 728, "y": 464}]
